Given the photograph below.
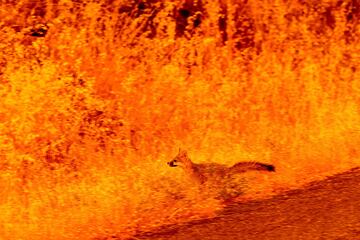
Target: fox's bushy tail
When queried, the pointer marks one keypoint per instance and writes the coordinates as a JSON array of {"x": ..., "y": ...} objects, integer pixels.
[{"x": 251, "y": 166}]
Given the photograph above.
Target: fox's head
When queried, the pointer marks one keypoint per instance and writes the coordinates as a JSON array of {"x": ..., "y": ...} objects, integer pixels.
[{"x": 181, "y": 159}]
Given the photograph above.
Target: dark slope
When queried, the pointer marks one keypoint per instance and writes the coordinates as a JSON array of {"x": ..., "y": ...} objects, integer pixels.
[{"x": 326, "y": 210}]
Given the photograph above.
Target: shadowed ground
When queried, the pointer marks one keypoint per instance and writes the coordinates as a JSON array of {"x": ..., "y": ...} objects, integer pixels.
[{"x": 328, "y": 209}]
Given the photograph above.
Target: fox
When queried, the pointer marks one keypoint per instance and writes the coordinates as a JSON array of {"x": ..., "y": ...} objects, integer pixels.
[{"x": 203, "y": 173}]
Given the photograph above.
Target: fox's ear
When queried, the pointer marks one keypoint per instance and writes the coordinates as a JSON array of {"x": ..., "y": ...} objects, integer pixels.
[{"x": 182, "y": 151}]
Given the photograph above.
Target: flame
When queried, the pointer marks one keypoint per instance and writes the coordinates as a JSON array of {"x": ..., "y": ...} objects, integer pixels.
[{"x": 97, "y": 96}]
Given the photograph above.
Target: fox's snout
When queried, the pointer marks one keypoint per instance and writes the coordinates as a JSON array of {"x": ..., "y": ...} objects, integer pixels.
[{"x": 172, "y": 164}]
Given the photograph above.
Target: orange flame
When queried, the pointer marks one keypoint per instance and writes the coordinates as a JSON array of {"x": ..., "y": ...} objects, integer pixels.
[{"x": 96, "y": 97}]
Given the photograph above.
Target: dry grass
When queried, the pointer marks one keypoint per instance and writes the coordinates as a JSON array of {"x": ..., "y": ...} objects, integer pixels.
[{"x": 90, "y": 113}]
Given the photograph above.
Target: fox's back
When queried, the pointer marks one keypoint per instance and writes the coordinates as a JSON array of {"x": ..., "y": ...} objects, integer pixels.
[
  {"x": 212, "y": 169},
  {"x": 215, "y": 172}
]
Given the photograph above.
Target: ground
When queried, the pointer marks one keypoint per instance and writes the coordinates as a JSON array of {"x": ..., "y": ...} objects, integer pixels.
[{"x": 328, "y": 209}]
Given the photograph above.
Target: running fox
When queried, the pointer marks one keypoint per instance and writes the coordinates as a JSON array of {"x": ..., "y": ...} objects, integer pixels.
[{"x": 214, "y": 171}]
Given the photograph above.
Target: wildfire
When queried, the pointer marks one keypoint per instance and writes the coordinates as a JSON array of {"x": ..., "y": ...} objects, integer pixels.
[{"x": 97, "y": 96}]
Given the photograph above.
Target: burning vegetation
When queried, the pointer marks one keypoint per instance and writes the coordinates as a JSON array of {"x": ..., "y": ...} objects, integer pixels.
[{"x": 97, "y": 96}]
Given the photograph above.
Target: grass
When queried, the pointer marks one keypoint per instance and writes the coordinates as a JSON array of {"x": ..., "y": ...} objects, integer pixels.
[{"x": 90, "y": 113}]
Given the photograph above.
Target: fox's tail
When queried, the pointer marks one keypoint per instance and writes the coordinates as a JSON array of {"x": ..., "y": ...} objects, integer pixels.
[{"x": 251, "y": 166}]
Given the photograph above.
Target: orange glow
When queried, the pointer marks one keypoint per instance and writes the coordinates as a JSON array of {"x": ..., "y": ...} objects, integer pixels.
[{"x": 96, "y": 97}]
